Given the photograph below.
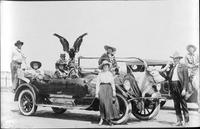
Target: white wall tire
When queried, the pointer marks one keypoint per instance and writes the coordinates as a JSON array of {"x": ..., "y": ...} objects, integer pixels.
[
  {"x": 146, "y": 112},
  {"x": 125, "y": 111},
  {"x": 26, "y": 103}
]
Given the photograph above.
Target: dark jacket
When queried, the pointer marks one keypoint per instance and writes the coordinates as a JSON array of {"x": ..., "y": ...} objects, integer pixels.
[
  {"x": 106, "y": 57},
  {"x": 182, "y": 72}
]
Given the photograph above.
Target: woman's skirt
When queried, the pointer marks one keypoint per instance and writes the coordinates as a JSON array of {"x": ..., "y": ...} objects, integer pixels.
[{"x": 108, "y": 108}]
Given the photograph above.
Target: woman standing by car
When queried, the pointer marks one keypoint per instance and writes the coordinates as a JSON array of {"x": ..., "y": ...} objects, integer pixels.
[{"x": 106, "y": 92}]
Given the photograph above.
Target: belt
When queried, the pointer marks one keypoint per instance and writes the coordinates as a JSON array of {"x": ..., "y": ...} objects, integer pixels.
[
  {"x": 102, "y": 83},
  {"x": 14, "y": 61}
]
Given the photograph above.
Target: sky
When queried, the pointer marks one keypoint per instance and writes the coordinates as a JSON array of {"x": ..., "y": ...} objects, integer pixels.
[{"x": 147, "y": 29}]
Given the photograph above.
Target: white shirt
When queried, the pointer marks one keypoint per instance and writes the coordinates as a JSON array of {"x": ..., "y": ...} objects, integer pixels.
[
  {"x": 105, "y": 77},
  {"x": 175, "y": 74},
  {"x": 17, "y": 55}
]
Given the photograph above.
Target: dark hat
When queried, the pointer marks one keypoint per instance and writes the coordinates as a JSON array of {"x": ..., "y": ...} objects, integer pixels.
[
  {"x": 33, "y": 62},
  {"x": 176, "y": 55},
  {"x": 106, "y": 47},
  {"x": 105, "y": 62},
  {"x": 189, "y": 46},
  {"x": 19, "y": 42}
]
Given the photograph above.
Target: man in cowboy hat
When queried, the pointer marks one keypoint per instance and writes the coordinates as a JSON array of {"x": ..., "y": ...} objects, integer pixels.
[
  {"x": 17, "y": 58},
  {"x": 60, "y": 73},
  {"x": 192, "y": 62},
  {"x": 178, "y": 79},
  {"x": 109, "y": 56}
]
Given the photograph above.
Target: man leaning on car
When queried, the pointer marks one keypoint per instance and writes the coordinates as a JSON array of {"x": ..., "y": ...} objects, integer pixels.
[{"x": 179, "y": 79}]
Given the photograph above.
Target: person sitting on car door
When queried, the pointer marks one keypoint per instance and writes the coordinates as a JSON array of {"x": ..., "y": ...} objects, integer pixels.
[
  {"x": 60, "y": 73},
  {"x": 109, "y": 56}
]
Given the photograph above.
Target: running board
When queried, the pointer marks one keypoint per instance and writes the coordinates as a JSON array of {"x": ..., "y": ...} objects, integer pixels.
[
  {"x": 61, "y": 96},
  {"x": 64, "y": 106}
]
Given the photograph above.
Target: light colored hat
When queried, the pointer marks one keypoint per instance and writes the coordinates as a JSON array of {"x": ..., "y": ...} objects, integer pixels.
[
  {"x": 105, "y": 62},
  {"x": 106, "y": 47},
  {"x": 189, "y": 46},
  {"x": 37, "y": 62},
  {"x": 176, "y": 55}
]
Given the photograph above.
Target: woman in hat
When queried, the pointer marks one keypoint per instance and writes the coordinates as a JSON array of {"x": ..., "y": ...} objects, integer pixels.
[
  {"x": 192, "y": 62},
  {"x": 60, "y": 73},
  {"x": 106, "y": 92},
  {"x": 109, "y": 56},
  {"x": 35, "y": 72},
  {"x": 17, "y": 59}
]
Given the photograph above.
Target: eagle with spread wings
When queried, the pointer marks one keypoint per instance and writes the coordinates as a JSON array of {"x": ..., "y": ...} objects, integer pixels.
[{"x": 73, "y": 50}]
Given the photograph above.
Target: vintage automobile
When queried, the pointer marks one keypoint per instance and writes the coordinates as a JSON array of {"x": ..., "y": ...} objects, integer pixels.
[
  {"x": 70, "y": 93},
  {"x": 161, "y": 80}
]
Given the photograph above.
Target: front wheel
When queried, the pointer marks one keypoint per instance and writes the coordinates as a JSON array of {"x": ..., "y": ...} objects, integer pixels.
[
  {"x": 26, "y": 103},
  {"x": 58, "y": 110},
  {"x": 124, "y": 110}
]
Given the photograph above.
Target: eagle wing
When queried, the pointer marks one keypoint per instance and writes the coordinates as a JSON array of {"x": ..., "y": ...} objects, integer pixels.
[
  {"x": 78, "y": 42},
  {"x": 64, "y": 42}
]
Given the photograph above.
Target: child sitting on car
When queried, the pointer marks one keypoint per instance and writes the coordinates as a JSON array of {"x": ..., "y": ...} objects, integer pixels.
[
  {"x": 35, "y": 72},
  {"x": 60, "y": 73}
]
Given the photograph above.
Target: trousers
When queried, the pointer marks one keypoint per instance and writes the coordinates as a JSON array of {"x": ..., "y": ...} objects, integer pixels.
[
  {"x": 14, "y": 66},
  {"x": 179, "y": 101}
]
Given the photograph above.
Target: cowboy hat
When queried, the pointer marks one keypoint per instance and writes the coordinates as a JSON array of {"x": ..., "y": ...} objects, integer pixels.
[
  {"x": 105, "y": 62},
  {"x": 176, "y": 55},
  {"x": 19, "y": 42},
  {"x": 189, "y": 46},
  {"x": 106, "y": 47},
  {"x": 37, "y": 62}
]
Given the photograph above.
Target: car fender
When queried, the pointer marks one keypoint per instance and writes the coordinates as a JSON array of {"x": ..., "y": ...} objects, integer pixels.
[{"x": 33, "y": 89}]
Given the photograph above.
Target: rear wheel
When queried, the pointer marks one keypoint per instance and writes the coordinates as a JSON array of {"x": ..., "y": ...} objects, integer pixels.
[
  {"x": 58, "y": 110},
  {"x": 26, "y": 103},
  {"x": 124, "y": 110},
  {"x": 145, "y": 109}
]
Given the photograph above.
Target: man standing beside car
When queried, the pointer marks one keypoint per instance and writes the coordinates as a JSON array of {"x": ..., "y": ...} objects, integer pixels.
[
  {"x": 178, "y": 80},
  {"x": 17, "y": 58},
  {"x": 192, "y": 62}
]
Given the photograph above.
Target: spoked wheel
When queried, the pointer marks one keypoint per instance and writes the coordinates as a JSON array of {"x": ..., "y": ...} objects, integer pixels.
[
  {"x": 58, "y": 110},
  {"x": 124, "y": 110},
  {"x": 145, "y": 109},
  {"x": 26, "y": 103}
]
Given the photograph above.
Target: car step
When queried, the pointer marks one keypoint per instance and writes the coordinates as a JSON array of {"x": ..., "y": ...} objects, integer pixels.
[
  {"x": 60, "y": 96},
  {"x": 80, "y": 107},
  {"x": 56, "y": 105}
]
